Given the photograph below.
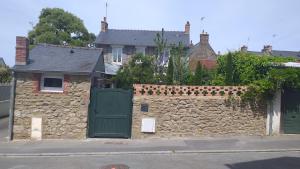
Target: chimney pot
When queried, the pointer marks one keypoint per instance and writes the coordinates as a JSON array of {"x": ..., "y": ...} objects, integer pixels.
[
  {"x": 267, "y": 49},
  {"x": 204, "y": 38},
  {"x": 22, "y": 50},
  {"x": 104, "y": 25},
  {"x": 187, "y": 28},
  {"x": 244, "y": 48}
]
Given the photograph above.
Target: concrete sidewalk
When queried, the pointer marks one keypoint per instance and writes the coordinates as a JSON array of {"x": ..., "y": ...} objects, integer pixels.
[{"x": 150, "y": 146}]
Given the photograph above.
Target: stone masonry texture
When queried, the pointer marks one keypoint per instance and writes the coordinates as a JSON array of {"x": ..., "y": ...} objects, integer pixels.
[
  {"x": 192, "y": 116},
  {"x": 64, "y": 115}
]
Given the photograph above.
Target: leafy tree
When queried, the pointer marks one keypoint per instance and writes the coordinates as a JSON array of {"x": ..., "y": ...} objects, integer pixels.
[
  {"x": 276, "y": 79},
  {"x": 202, "y": 76},
  {"x": 246, "y": 68},
  {"x": 198, "y": 77},
  {"x": 170, "y": 71},
  {"x": 140, "y": 69},
  {"x": 229, "y": 69},
  {"x": 5, "y": 74},
  {"x": 180, "y": 61},
  {"x": 161, "y": 44},
  {"x": 262, "y": 74},
  {"x": 59, "y": 27}
]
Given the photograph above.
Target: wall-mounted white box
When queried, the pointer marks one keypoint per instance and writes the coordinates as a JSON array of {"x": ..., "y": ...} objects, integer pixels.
[
  {"x": 148, "y": 125},
  {"x": 36, "y": 128}
]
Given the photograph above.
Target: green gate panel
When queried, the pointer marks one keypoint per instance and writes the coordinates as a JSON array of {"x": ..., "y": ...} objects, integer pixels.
[
  {"x": 291, "y": 111},
  {"x": 110, "y": 113}
]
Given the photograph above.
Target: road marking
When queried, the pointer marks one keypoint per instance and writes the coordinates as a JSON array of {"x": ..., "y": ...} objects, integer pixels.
[{"x": 144, "y": 152}]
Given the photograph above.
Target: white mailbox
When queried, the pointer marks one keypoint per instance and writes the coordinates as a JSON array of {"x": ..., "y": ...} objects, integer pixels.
[{"x": 148, "y": 125}]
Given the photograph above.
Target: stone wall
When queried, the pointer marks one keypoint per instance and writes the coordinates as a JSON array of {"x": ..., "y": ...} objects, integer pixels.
[
  {"x": 64, "y": 115},
  {"x": 183, "y": 115}
]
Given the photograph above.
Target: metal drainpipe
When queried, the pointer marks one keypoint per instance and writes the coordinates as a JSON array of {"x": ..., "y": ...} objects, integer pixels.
[{"x": 12, "y": 107}]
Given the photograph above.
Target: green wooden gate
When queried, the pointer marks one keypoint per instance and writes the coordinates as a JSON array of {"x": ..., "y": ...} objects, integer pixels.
[
  {"x": 110, "y": 113},
  {"x": 291, "y": 111}
]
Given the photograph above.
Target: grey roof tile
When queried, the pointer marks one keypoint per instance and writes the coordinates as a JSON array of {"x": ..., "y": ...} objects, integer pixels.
[
  {"x": 204, "y": 51},
  {"x": 52, "y": 58},
  {"x": 286, "y": 53},
  {"x": 140, "y": 37},
  {"x": 111, "y": 69},
  {"x": 281, "y": 53}
]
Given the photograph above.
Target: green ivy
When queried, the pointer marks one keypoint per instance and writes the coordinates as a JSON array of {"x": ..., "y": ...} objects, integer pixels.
[
  {"x": 5, "y": 74},
  {"x": 246, "y": 68},
  {"x": 262, "y": 74}
]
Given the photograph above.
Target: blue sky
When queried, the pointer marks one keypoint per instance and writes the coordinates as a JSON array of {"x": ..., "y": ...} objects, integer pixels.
[{"x": 230, "y": 23}]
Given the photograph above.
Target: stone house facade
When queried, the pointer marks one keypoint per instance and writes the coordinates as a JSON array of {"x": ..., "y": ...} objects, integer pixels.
[
  {"x": 52, "y": 90},
  {"x": 202, "y": 53},
  {"x": 119, "y": 45}
]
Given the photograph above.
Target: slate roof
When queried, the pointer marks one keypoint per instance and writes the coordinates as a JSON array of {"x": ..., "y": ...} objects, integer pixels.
[
  {"x": 111, "y": 69},
  {"x": 140, "y": 37},
  {"x": 294, "y": 54},
  {"x": 73, "y": 60},
  {"x": 203, "y": 51}
]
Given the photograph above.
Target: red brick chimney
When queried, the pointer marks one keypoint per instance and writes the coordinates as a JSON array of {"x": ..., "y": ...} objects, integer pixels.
[
  {"x": 22, "y": 50},
  {"x": 204, "y": 38},
  {"x": 187, "y": 28},
  {"x": 104, "y": 25},
  {"x": 267, "y": 49}
]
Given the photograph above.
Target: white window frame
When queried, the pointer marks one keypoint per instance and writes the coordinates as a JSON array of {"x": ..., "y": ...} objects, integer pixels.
[
  {"x": 52, "y": 89},
  {"x": 118, "y": 49}
]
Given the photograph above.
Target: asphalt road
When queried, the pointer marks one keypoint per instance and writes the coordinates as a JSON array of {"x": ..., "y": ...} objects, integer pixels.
[
  {"x": 282, "y": 160},
  {"x": 3, "y": 129}
]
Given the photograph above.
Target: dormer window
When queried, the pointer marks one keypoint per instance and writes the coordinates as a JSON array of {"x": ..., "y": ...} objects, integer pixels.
[{"x": 117, "y": 55}]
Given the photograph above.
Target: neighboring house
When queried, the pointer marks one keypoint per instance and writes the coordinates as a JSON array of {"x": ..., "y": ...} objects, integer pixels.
[
  {"x": 202, "y": 52},
  {"x": 4, "y": 94},
  {"x": 4, "y": 99},
  {"x": 267, "y": 50},
  {"x": 119, "y": 45},
  {"x": 53, "y": 89},
  {"x": 54, "y": 85},
  {"x": 2, "y": 63}
]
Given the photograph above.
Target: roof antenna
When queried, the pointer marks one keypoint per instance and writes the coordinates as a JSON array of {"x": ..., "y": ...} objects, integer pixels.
[
  {"x": 106, "y": 9},
  {"x": 248, "y": 40}
]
